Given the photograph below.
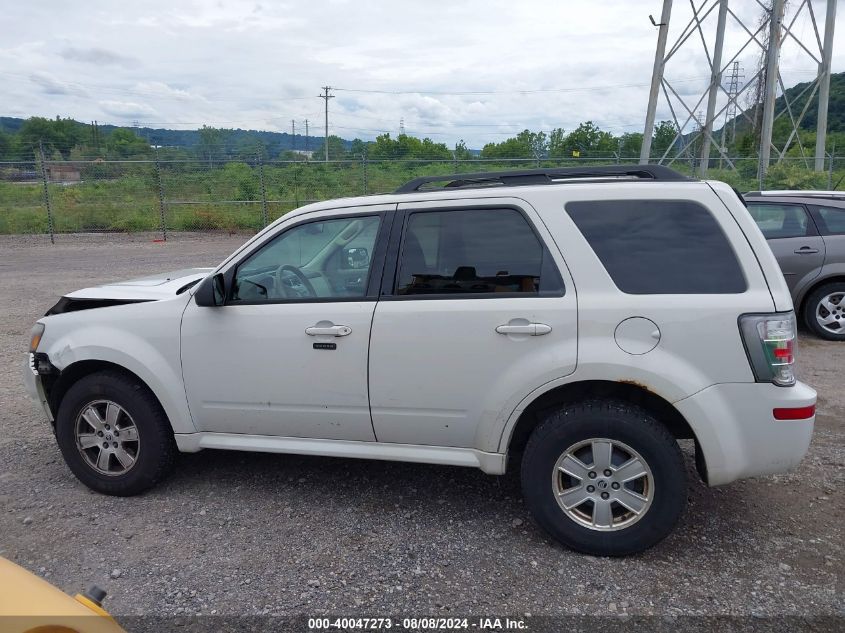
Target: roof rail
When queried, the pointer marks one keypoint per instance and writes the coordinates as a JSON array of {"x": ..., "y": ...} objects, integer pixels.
[
  {"x": 518, "y": 177},
  {"x": 791, "y": 193}
]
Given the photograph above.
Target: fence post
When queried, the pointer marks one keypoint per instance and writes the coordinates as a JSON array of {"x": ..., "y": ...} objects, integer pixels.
[
  {"x": 295, "y": 167},
  {"x": 265, "y": 216},
  {"x": 161, "y": 203},
  {"x": 830, "y": 167},
  {"x": 364, "y": 172},
  {"x": 49, "y": 206}
]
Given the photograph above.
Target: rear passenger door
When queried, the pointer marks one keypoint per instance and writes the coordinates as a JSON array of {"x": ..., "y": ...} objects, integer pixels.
[
  {"x": 477, "y": 309},
  {"x": 793, "y": 238},
  {"x": 831, "y": 222}
]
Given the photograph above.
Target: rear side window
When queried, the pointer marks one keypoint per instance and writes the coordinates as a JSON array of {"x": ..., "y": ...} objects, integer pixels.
[
  {"x": 659, "y": 246},
  {"x": 473, "y": 252},
  {"x": 779, "y": 220},
  {"x": 832, "y": 220}
]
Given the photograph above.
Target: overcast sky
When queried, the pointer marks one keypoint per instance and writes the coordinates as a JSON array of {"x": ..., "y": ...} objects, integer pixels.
[{"x": 471, "y": 69}]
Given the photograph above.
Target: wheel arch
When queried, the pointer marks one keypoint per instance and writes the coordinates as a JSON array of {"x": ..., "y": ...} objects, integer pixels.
[
  {"x": 73, "y": 373},
  {"x": 836, "y": 278},
  {"x": 626, "y": 391}
]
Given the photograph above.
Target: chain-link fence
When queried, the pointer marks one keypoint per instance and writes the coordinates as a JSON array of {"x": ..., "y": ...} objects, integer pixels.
[{"x": 166, "y": 196}]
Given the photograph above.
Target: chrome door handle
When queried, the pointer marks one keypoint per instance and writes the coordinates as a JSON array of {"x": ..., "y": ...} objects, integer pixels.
[
  {"x": 532, "y": 329},
  {"x": 805, "y": 250},
  {"x": 330, "y": 330}
]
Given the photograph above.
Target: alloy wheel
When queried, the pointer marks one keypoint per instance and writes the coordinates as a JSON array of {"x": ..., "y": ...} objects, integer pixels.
[
  {"x": 603, "y": 484},
  {"x": 107, "y": 438}
]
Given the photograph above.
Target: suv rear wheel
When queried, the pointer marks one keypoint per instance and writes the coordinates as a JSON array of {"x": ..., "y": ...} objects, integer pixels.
[
  {"x": 824, "y": 311},
  {"x": 114, "y": 435},
  {"x": 604, "y": 478}
]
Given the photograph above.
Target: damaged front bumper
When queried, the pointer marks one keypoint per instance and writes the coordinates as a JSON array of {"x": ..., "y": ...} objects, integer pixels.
[{"x": 39, "y": 369}]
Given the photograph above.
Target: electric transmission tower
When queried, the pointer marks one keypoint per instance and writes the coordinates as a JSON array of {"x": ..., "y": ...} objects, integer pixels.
[
  {"x": 773, "y": 30},
  {"x": 731, "y": 111},
  {"x": 402, "y": 126}
]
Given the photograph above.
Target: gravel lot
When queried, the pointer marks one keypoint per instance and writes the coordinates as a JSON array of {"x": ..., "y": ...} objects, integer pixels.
[{"x": 234, "y": 533}]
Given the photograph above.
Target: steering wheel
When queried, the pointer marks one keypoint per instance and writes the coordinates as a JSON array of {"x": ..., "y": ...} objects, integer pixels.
[{"x": 299, "y": 275}]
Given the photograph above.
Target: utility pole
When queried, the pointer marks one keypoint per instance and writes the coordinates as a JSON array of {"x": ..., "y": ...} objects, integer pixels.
[
  {"x": 656, "y": 79},
  {"x": 824, "y": 83},
  {"x": 293, "y": 134},
  {"x": 326, "y": 96},
  {"x": 306, "y": 135},
  {"x": 770, "y": 90},
  {"x": 715, "y": 83}
]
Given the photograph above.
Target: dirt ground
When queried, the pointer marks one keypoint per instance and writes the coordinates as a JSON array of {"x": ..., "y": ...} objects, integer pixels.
[{"x": 232, "y": 533}]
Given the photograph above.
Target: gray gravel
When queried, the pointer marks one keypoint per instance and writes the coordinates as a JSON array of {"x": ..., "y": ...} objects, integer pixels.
[{"x": 234, "y": 533}]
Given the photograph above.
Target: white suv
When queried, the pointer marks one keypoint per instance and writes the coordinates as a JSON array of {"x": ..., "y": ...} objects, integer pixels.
[{"x": 572, "y": 323}]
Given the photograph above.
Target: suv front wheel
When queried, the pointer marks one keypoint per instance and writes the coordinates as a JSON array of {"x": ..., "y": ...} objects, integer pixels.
[
  {"x": 604, "y": 478},
  {"x": 114, "y": 435}
]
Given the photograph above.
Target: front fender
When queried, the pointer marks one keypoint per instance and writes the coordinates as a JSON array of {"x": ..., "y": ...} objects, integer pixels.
[{"x": 142, "y": 338}]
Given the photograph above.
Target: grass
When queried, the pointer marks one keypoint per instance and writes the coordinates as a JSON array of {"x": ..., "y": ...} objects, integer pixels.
[{"x": 228, "y": 196}]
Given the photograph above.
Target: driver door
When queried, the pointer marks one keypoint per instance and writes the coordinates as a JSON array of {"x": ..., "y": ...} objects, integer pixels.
[{"x": 286, "y": 355}]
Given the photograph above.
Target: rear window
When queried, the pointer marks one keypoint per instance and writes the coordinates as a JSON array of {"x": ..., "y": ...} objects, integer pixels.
[
  {"x": 659, "y": 246},
  {"x": 832, "y": 220},
  {"x": 777, "y": 221}
]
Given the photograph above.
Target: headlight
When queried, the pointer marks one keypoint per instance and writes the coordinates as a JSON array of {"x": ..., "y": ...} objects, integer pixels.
[{"x": 37, "y": 333}]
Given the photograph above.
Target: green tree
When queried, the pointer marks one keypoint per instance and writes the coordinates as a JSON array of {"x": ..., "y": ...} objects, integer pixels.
[
  {"x": 212, "y": 144},
  {"x": 588, "y": 137},
  {"x": 337, "y": 149},
  {"x": 630, "y": 144},
  {"x": 123, "y": 143},
  {"x": 664, "y": 134},
  {"x": 358, "y": 148},
  {"x": 557, "y": 143},
  {"x": 7, "y": 142},
  {"x": 408, "y": 147},
  {"x": 526, "y": 144},
  {"x": 58, "y": 135},
  {"x": 248, "y": 148},
  {"x": 461, "y": 151}
]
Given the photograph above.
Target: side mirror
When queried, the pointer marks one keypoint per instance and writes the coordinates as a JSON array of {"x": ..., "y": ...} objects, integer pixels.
[
  {"x": 211, "y": 292},
  {"x": 355, "y": 258}
]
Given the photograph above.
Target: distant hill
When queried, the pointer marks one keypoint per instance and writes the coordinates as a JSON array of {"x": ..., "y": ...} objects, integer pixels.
[
  {"x": 835, "y": 109},
  {"x": 276, "y": 142}
]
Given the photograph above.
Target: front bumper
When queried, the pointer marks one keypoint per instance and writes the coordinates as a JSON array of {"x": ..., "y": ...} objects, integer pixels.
[
  {"x": 35, "y": 387},
  {"x": 737, "y": 433}
]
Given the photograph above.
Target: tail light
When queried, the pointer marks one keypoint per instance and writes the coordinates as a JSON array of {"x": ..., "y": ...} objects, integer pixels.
[{"x": 770, "y": 343}]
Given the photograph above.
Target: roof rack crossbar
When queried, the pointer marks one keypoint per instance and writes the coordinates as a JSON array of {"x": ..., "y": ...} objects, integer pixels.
[{"x": 520, "y": 177}]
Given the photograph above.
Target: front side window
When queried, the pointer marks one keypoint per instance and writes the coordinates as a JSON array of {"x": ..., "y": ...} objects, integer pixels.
[
  {"x": 779, "y": 220},
  {"x": 659, "y": 246},
  {"x": 328, "y": 259},
  {"x": 832, "y": 220},
  {"x": 473, "y": 251}
]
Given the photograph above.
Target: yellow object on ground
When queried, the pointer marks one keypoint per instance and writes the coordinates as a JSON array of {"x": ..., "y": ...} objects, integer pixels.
[{"x": 29, "y": 604}]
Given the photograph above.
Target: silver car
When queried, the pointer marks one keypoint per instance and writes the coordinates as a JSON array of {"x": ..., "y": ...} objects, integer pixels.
[{"x": 806, "y": 232}]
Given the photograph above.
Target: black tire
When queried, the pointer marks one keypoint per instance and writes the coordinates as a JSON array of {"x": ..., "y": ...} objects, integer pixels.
[
  {"x": 157, "y": 447},
  {"x": 623, "y": 423},
  {"x": 811, "y": 305}
]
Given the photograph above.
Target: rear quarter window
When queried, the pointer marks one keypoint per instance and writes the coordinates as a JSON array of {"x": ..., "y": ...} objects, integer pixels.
[{"x": 660, "y": 246}]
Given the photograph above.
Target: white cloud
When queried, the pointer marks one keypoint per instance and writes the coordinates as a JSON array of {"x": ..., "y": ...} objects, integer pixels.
[
  {"x": 126, "y": 109},
  {"x": 247, "y": 64}
]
